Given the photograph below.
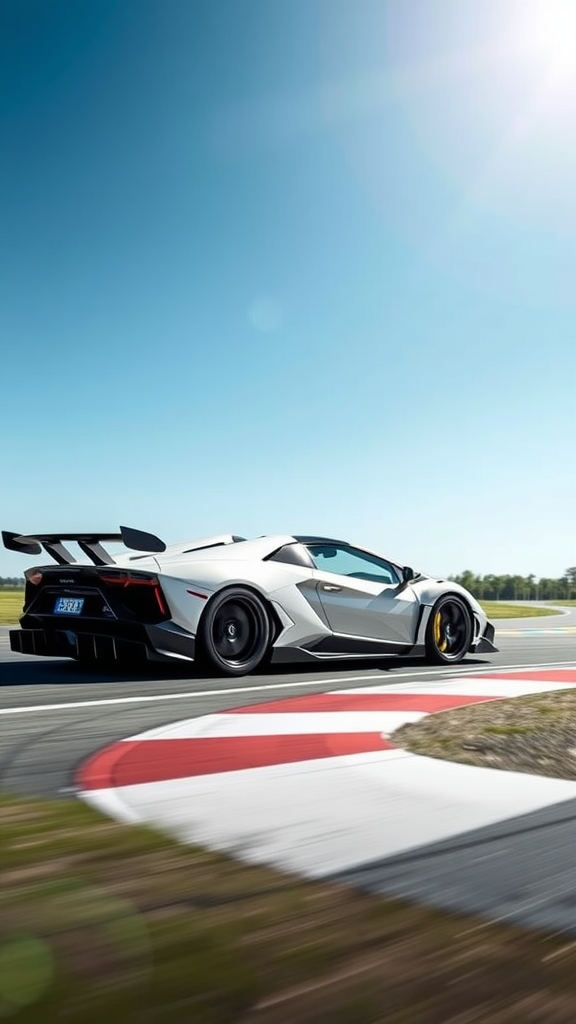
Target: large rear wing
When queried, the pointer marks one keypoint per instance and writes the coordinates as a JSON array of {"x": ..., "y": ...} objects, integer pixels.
[{"x": 89, "y": 543}]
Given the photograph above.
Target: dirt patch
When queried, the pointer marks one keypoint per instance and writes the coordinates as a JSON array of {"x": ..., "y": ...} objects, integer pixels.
[{"x": 534, "y": 734}]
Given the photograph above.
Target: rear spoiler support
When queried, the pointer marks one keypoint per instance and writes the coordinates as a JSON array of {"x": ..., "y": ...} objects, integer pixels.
[{"x": 89, "y": 544}]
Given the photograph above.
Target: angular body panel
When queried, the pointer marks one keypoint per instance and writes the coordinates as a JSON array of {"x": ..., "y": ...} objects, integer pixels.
[{"x": 368, "y": 609}]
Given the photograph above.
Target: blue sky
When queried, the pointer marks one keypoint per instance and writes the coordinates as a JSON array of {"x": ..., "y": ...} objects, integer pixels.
[{"x": 291, "y": 266}]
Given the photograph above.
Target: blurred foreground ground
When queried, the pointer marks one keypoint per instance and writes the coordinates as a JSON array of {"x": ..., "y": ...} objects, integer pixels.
[{"x": 99, "y": 919}]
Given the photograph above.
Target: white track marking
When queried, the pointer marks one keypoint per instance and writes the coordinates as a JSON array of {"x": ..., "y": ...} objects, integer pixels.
[
  {"x": 326, "y": 814},
  {"x": 316, "y": 817},
  {"x": 470, "y": 688},
  {"x": 298, "y": 724},
  {"x": 329, "y": 722},
  {"x": 269, "y": 687}
]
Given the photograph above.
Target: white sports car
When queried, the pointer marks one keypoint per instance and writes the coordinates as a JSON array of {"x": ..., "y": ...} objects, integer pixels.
[{"x": 231, "y": 604}]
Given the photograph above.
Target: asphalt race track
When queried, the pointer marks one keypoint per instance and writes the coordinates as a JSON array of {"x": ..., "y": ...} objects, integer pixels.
[{"x": 53, "y": 716}]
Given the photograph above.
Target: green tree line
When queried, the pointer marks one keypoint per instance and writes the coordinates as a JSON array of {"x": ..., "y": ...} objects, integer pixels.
[
  {"x": 488, "y": 588},
  {"x": 519, "y": 588}
]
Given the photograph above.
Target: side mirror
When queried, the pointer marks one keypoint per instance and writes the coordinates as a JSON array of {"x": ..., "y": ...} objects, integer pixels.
[{"x": 407, "y": 574}]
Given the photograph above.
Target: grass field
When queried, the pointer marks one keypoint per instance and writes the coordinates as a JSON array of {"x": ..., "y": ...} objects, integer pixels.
[
  {"x": 500, "y": 610},
  {"x": 106, "y": 921},
  {"x": 11, "y": 602}
]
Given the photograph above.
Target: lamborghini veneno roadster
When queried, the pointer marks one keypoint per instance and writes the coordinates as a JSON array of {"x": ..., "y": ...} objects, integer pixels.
[{"x": 231, "y": 604}]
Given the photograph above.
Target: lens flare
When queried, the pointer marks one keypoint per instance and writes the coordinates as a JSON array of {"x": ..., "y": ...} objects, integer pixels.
[{"x": 549, "y": 33}]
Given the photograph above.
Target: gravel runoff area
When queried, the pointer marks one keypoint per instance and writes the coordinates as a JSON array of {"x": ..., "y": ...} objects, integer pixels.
[{"x": 534, "y": 734}]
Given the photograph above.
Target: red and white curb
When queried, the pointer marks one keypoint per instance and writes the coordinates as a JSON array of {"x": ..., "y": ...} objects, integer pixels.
[{"x": 313, "y": 784}]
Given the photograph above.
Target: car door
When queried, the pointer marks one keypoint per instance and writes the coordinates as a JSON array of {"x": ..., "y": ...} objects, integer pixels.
[{"x": 361, "y": 595}]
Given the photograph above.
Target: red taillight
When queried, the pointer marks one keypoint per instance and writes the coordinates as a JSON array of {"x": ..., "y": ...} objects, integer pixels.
[
  {"x": 34, "y": 576},
  {"x": 161, "y": 601},
  {"x": 124, "y": 579},
  {"x": 120, "y": 578}
]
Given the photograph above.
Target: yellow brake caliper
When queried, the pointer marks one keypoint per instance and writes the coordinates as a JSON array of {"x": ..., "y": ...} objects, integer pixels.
[{"x": 441, "y": 642}]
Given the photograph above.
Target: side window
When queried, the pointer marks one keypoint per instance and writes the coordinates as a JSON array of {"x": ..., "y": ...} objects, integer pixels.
[{"x": 346, "y": 561}]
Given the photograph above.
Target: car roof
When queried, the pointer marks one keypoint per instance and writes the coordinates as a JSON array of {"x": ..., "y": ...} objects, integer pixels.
[
  {"x": 319, "y": 540},
  {"x": 233, "y": 547}
]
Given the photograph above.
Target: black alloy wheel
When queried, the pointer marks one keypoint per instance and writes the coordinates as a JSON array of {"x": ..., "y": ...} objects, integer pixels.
[
  {"x": 235, "y": 632},
  {"x": 449, "y": 631}
]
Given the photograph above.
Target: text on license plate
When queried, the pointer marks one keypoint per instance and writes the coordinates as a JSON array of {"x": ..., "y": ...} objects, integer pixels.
[{"x": 68, "y": 605}]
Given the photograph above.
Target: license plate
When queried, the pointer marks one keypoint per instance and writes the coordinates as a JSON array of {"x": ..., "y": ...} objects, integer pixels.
[{"x": 68, "y": 605}]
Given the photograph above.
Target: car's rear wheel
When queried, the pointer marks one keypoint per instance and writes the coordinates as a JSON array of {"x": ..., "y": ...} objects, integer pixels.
[
  {"x": 449, "y": 631},
  {"x": 235, "y": 632}
]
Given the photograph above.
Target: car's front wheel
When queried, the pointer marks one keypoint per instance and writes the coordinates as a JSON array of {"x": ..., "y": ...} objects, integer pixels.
[
  {"x": 449, "y": 631},
  {"x": 235, "y": 632}
]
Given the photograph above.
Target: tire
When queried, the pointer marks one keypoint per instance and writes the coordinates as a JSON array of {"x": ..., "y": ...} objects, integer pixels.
[
  {"x": 234, "y": 633},
  {"x": 449, "y": 631}
]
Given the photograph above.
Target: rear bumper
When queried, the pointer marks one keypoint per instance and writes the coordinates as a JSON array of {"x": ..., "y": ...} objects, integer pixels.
[
  {"x": 135, "y": 645},
  {"x": 486, "y": 644}
]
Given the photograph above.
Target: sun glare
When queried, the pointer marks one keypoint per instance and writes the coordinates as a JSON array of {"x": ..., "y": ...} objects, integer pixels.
[{"x": 549, "y": 33}]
